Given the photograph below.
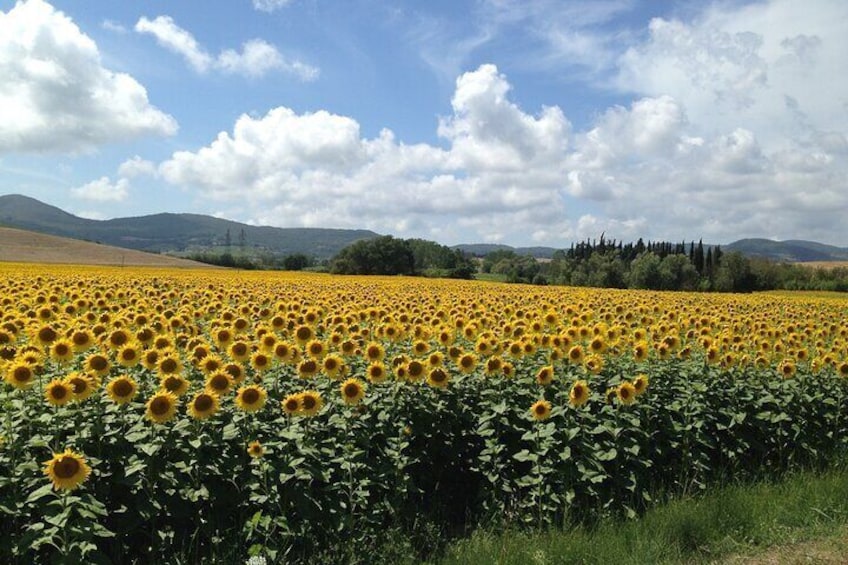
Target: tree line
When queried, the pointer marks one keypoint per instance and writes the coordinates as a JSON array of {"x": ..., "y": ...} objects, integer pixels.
[{"x": 662, "y": 266}]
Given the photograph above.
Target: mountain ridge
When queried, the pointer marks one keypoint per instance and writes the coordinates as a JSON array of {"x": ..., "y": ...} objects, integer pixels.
[{"x": 175, "y": 232}]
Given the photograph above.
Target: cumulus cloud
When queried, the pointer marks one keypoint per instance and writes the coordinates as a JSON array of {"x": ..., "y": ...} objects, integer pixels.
[
  {"x": 256, "y": 58},
  {"x": 55, "y": 94},
  {"x": 103, "y": 190},
  {"x": 502, "y": 169},
  {"x": 647, "y": 169}
]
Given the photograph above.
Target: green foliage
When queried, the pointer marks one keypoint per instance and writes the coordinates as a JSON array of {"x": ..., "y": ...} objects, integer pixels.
[
  {"x": 409, "y": 455},
  {"x": 389, "y": 256}
]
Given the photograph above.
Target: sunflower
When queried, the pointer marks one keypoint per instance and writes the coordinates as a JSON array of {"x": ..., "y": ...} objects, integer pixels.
[
  {"x": 545, "y": 375},
  {"x": 203, "y": 405},
  {"x": 508, "y": 370},
  {"x": 467, "y": 362},
  {"x": 62, "y": 351},
  {"x": 122, "y": 389},
  {"x": 435, "y": 359},
  {"x": 82, "y": 385},
  {"x": 45, "y": 335},
  {"x": 291, "y": 404},
  {"x": 58, "y": 392},
  {"x": 420, "y": 347},
  {"x": 575, "y": 354},
  {"x": 169, "y": 364},
  {"x": 611, "y": 394},
  {"x": 20, "y": 375},
  {"x": 316, "y": 349},
  {"x": 541, "y": 410},
  {"x": 117, "y": 339},
  {"x": 842, "y": 369},
  {"x": 303, "y": 334},
  {"x": 438, "y": 378},
  {"x": 640, "y": 351},
  {"x": 594, "y": 363},
  {"x": 260, "y": 361},
  {"x": 311, "y": 403},
  {"x": 219, "y": 383},
  {"x": 374, "y": 352},
  {"x": 494, "y": 365},
  {"x": 236, "y": 372},
  {"x": 239, "y": 351},
  {"x": 333, "y": 366},
  {"x": 255, "y": 449},
  {"x": 97, "y": 364},
  {"x": 67, "y": 470},
  {"x": 175, "y": 384},
  {"x": 352, "y": 391},
  {"x": 579, "y": 394},
  {"x": 376, "y": 372},
  {"x": 415, "y": 371},
  {"x": 251, "y": 398},
  {"x": 626, "y": 392},
  {"x": 150, "y": 359},
  {"x": 787, "y": 368},
  {"x": 129, "y": 355},
  {"x": 307, "y": 368},
  {"x": 640, "y": 383},
  {"x": 161, "y": 407},
  {"x": 210, "y": 364}
]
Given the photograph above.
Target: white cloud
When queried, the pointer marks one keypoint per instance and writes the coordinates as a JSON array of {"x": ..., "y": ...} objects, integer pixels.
[
  {"x": 503, "y": 169},
  {"x": 136, "y": 167},
  {"x": 55, "y": 95},
  {"x": 270, "y": 5},
  {"x": 103, "y": 190},
  {"x": 256, "y": 58},
  {"x": 174, "y": 38},
  {"x": 775, "y": 68}
]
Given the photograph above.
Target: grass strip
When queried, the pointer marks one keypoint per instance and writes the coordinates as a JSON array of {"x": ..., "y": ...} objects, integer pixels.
[{"x": 737, "y": 519}]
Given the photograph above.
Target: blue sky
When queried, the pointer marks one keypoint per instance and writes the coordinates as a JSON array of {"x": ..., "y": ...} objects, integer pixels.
[{"x": 528, "y": 122}]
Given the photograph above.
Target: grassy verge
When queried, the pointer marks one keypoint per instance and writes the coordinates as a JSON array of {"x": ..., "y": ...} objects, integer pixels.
[{"x": 732, "y": 521}]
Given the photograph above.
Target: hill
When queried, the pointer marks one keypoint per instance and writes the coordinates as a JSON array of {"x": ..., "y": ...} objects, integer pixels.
[
  {"x": 795, "y": 251},
  {"x": 22, "y": 246},
  {"x": 483, "y": 249},
  {"x": 175, "y": 232}
]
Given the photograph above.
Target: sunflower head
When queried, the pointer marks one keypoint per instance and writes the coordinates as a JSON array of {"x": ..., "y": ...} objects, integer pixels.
[
  {"x": 640, "y": 383},
  {"x": 58, "y": 392},
  {"x": 20, "y": 375},
  {"x": 255, "y": 449},
  {"x": 352, "y": 391},
  {"x": 545, "y": 375},
  {"x": 122, "y": 389},
  {"x": 311, "y": 403},
  {"x": 251, "y": 398},
  {"x": 541, "y": 410},
  {"x": 161, "y": 407},
  {"x": 203, "y": 405},
  {"x": 376, "y": 372},
  {"x": 626, "y": 393},
  {"x": 67, "y": 470},
  {"x": 438, "y": 377},
  {"x": 579, "y": 394}
]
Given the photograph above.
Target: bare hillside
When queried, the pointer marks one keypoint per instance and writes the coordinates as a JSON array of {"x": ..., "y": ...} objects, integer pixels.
[{"x": 20, "y": 246}]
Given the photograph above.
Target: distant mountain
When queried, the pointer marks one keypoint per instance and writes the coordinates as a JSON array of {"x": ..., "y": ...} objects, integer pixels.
[
  {"x": 483, "y": 249},
  {"x": 174, "y": 232},
  {"x": 791, "y": 250}
]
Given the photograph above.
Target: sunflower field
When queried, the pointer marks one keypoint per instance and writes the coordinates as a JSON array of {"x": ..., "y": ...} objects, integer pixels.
[{"x": 175, "y": 416}]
